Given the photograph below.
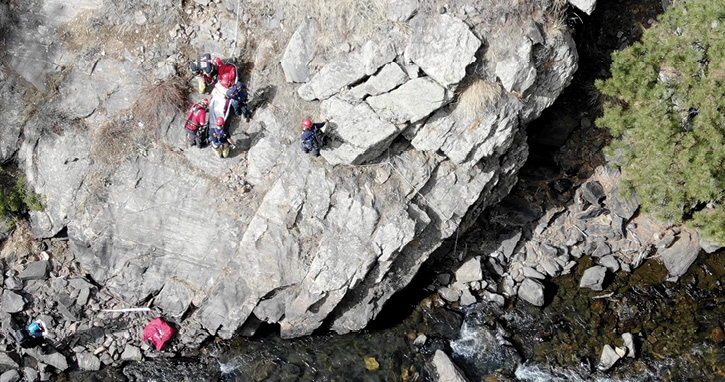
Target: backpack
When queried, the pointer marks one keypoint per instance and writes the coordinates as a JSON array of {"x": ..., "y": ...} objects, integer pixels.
[
  {"x": 204, "y": 63},
  {"x": 217, "y": 137}
]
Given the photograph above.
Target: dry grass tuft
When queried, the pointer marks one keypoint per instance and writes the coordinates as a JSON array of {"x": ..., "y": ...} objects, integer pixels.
[
  {"x": 116, "y": 141},
  {"x": 478, "y": 96},
  {"x": 161, "y": 97},
  {"x": 558, "y": 6},
  {"x": 353, "y": 20},
  {"x": 556, "y": 24}
]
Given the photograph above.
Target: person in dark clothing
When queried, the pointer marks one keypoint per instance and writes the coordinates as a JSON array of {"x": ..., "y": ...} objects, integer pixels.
[
  {"x": 313, "y": 136},
  {"x": 220, "y": 140},
  {"x": 238, "y": 96},
  {"x": 206, "y": 72}
]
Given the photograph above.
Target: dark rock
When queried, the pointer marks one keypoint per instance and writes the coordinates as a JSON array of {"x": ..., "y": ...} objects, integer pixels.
[
  {"x": 560, "y": 186},
  {"x": 13, "y": 283},
  {"x": 65, "y": 306},
  {"x": 36, "y": 271},
  {"x": 52, "y": 358},
  {"x": 593, "y": 192},
  {"x": 590, "y": 213},
  {"x": 622, "y": 205},
  {"x": 12, "y": 302},
  {"x": 682, "y": 253}
]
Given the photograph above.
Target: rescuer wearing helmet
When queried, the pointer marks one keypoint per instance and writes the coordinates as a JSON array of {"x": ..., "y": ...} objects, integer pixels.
[
  {"x": 220, "y": 140},
  {"x": 205, "y": 71},
  {"x": 196, "y": 123},
  {"x": 312, "y": 136}
]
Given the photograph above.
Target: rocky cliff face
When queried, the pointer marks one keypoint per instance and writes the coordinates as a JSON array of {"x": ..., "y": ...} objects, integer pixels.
[{"x": 427, "y": 125}]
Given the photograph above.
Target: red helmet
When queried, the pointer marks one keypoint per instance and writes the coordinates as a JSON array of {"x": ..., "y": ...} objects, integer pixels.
[
  {"x": 217, "y": 61},
  {"x": 306, "y": 123},
  {"x": 220, "y": 121},
  {"x": 205, "y": 102},
  {"x": 225, "y": 82}
]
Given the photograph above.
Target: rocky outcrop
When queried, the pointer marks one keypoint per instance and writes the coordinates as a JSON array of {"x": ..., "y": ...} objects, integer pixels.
[
  {"x": 446, "y": 369},
  {"x": 272, "y": 233}
]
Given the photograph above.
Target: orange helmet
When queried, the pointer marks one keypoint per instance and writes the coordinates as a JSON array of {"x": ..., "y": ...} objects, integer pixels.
[
  {"x": 306, "y": 123},
  {"x": 220, "y": 121}
]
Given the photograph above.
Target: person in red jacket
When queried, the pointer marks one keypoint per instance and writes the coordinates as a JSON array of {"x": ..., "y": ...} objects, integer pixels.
[{"x": 196, "y": 123}]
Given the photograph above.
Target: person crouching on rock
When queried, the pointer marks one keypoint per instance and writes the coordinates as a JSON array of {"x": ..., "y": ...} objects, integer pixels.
[
  {"x": 312, "y": 136},
  {"x": 205, "y": 71},
  {"x": 237, "y": 94},
  {"x": 220, "y": 140},
  {"x": 196, "y": 123},
  {"x": 36, "y": 331}
]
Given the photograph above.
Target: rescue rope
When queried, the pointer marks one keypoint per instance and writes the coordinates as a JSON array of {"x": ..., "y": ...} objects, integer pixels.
[{"x": 236, "y": 30}]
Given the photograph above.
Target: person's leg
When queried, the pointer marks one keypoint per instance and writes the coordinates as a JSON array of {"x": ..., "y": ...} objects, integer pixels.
[
  {"x": 218, "y": 151},
  {"x": 235, "y": 105},
  {"x": 225, "y": 150},
  {"x": 197, "y": 139},
  {"x": 191, "y": 137}
]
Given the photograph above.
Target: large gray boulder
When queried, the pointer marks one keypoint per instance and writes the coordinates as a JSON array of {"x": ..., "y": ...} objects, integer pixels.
[
  {"x": 363, "y": 134},
  {"x": 333, "y": 77},
  {"x": 680, "y": 255},
  {"x": 410, "y": 102},
  {"x": 293, "y": 239},
  {"x": 299, "y": 52},
  {"x": 443, "y": 46}
]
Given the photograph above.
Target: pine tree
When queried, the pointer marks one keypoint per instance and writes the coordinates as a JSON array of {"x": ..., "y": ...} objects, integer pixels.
[{"x": 666, "y": 114}]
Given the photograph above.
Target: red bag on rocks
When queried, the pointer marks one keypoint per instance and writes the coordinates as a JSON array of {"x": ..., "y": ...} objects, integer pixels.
[{"x": 158, "y": 332}]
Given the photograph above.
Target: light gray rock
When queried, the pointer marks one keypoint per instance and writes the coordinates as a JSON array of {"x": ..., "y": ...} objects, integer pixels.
[
  {"x": 131, "y": 353},
  {"x": 389, "y": 77},
  {"x": 299, "y": 52},
  {"x": 360, "y": 134},
  {"x": 30, "y": 374},
  {"x": 494, "y": 298},
  {"x": 467, "y": 297},
  {"x": 10, "y": 376},
  {"x": 629, "y": 344},
  {"x": 174, "y": 298},
  {"x": 377, "y": 55},
  {"x": 551, "y": 267},
  {"x": 533, "y": 273},
  {"x": 610, "y": 262},
  {"x": 508, "y": 244},
  {"x": 682, "y": 253},
  {"x": 446, "y": 369},
  {"x": 401, "y": 10},
  {"x": 420, "y": 340},
  {"x": 12, "y": 302},
  {"x": 435, "y": 40},
  {"x": 709, "y": 245},
  {"x": 203, "y": 3},
  {"x": 5, "y": 360},
  {"x": 449, "y": 294},
  {"x": 593, "y": 278},
  {"x": 608, "y": 359},
  {"x": 517, "y": 71},
  {"x": 333, "y": 77},
  {"x": 88, "y": 361},
  {"x": 37, "y": 270},
  {"x": 410, "y": 102},
  {"x": 470, "y": 271},
  {"x": 532, "y": 292},
  {"x": 587, "y": 6}
]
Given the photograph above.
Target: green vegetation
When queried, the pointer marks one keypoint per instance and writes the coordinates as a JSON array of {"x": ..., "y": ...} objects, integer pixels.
[
  {"x": 665, "y": 108},
  {"x": 15, "y": 197}
]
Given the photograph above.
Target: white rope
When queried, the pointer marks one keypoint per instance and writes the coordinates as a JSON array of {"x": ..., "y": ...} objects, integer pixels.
[
  {"x": 236, "y": 30},
  {"x": 126, "y": 310}
]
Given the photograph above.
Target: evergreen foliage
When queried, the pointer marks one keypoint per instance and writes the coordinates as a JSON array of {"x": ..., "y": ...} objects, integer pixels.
[
  {"x": 15, "y": 198},
  {"x": 667, "y": 115}
]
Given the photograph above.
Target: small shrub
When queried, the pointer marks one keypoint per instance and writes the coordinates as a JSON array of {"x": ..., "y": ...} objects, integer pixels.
[
  {"x": 161, "y": 97},
  {"x": 115, "y": 142},
  {"x": 668, "y": 115},
  {"x": 16, "y": 198}
]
